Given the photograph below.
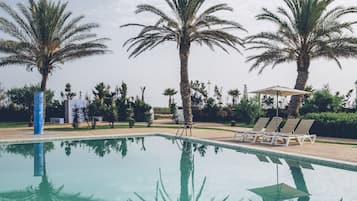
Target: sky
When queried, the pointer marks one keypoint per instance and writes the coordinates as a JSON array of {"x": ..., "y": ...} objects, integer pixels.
[{"x": 159, "y": 68}]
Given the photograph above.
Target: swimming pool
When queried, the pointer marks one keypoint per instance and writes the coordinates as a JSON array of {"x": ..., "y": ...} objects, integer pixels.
[{"x": 145, "y": 168}]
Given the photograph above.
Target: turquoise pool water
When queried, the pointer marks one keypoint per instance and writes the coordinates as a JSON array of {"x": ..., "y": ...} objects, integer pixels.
[{"x": 147, "y": 168}]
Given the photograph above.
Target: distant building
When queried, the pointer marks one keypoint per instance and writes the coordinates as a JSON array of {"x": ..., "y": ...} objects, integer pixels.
[{"x": 73, "y": 104}]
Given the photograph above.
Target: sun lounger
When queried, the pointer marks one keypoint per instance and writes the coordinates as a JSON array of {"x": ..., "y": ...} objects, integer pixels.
[
  {"x": 300, "y": 164},
  {"x": 289, "y": 127},
  {"x": 262, "y": 158},
  {"x": 301, "y": 134},
  {"x": 271, "y": 128},
  {"x": 275, "y": 160},
  {"x": 258, "y": 127}
]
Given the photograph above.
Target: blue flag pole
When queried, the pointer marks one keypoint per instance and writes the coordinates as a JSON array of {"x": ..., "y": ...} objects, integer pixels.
[{"x": 38, "y": 113}]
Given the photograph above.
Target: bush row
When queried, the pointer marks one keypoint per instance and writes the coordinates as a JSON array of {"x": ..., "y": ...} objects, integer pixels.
[{"x": 341, "y": 125}]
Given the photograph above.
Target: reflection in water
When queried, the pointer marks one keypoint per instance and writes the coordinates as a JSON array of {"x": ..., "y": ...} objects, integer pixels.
[
  {"x": 187, "y": 171},
  {"x": 38, "y": 160},
  {"x": 104, "y": 147},
  {"x": 299, "y": 181},
  {"x": 45, "y": 191}
]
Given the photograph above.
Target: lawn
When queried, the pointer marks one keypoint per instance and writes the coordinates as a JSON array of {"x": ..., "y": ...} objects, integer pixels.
[{"x": 13, "y": 124}]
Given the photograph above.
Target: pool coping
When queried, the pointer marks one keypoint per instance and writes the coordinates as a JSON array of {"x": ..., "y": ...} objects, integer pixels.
[{"x": 346, "y": 165}]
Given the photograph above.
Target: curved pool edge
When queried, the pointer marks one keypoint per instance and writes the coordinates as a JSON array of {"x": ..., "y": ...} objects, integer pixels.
[{"x": 340, "y": 164}]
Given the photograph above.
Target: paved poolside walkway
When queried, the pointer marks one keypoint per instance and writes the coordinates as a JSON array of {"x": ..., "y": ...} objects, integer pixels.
[{"x": 344, "y": 152}]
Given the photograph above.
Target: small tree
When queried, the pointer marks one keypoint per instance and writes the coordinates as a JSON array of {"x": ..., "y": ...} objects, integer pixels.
[
  {"x": 2, "y": 95},
  {"x": 91, "y": 113},
  {"x": 122, "y": 101},
  {"x": 323, "y": 101},
  {"x": 111, "y": 114},
  {"x": 218, "y": 94},
  {"x": 139, "y": 109},
  {"x": 248, "y": 111},
  {"x": 76, "y": 115},
  {"x": 199, "y": 93},
  {"x": 68, "y": 94},
  {"x": 148, "y": 118},
  {"x": 131, "y": 118},
  {"x": 170, "y": 92},
  {"x": 235, "y": 93},
  {"x": 143, "y": 93},
  {"x": 23, "y": 98}
]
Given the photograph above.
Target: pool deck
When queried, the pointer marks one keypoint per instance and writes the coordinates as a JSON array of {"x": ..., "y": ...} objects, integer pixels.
[{"x": 336, "y": 151}]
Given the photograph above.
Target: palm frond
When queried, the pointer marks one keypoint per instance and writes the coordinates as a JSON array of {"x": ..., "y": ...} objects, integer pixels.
[
  {"x": 44, "y": 35},
  {"x": 307, "y": 27},
  {"x": 186, "y": 25}
]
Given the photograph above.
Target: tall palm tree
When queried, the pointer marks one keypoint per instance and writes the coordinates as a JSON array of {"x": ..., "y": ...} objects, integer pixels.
[
  {"x": 185, "y": 26},
  {"x": 306, "y": 30},
  {"x": 170, "y": 92},
  {"x": 43, "y": 35}
]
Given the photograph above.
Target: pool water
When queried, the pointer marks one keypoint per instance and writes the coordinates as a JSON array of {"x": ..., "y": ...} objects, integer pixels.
[{"x": 159, "y": 168}]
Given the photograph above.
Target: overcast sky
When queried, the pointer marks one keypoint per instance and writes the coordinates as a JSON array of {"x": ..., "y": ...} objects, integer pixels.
[{"x": 159, "y": 69}]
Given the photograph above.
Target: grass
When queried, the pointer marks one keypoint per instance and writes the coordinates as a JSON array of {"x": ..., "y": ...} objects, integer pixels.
[
  {"x": 13, "y": 124},
  {"x": 333, "y": 142},
  {"x": 242, "y": 125},
  {"x": 105, "y": 127}
]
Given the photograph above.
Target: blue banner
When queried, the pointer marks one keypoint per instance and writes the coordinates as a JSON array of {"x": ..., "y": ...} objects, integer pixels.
[{"x": 38, "y": 113}]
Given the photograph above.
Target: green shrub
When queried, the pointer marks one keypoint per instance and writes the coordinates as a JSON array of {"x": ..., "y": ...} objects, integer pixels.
[
  {"x": 248, "y": 111},
  {"x": 342, "y": 125},
  {"x": 323, "y": 101}
]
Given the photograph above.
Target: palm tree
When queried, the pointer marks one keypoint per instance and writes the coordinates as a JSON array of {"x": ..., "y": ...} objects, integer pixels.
[
  {"x": 185, "y": 26},
  {"x": 306, "y": 30},
  {"x": 170, "y": 92},
  {"x": 44, "y": 35},
  {"x": 235, "y": 93}
]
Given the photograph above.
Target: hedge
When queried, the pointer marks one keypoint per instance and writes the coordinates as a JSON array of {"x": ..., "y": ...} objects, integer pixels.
[
  {"x": 162, "y": 110},
  {"x": 340, "y": 125}
]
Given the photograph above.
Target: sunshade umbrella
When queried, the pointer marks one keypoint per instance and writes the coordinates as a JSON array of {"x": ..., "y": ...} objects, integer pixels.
[
  {"x": 280, "y": 91},
  {"x": 278, "y": 192}
]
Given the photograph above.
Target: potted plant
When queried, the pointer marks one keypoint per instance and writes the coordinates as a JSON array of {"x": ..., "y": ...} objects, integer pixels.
[{"x": 233, "y": 123}]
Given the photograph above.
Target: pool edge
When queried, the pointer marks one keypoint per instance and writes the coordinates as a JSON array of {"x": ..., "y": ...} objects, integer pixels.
[{"x": 347, "y": 165}]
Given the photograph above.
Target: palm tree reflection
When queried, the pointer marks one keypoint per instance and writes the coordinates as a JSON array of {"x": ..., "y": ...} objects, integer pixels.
[
  {"x": 187, "y": 172},
  {"x": 104, "y": 147},
  {"x": 45, "y": 191}
]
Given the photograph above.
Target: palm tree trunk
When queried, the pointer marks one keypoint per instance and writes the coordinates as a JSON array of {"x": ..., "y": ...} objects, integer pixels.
[
  {"x": 185, "y": 170},
  {"x": 169, "y": 101},
  {"x": 43, "y": 89},
  {"x": 301, "y": 80},
  {"x": 185, "y": 84}
]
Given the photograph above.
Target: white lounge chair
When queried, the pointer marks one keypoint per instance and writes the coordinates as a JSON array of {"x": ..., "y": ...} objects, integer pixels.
[
  {"x": 258, "y": 127},
  {"x": 301, "y": 134},
  {"x": 289, "y": 127},
  {"x": 271, "y": 128}
]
